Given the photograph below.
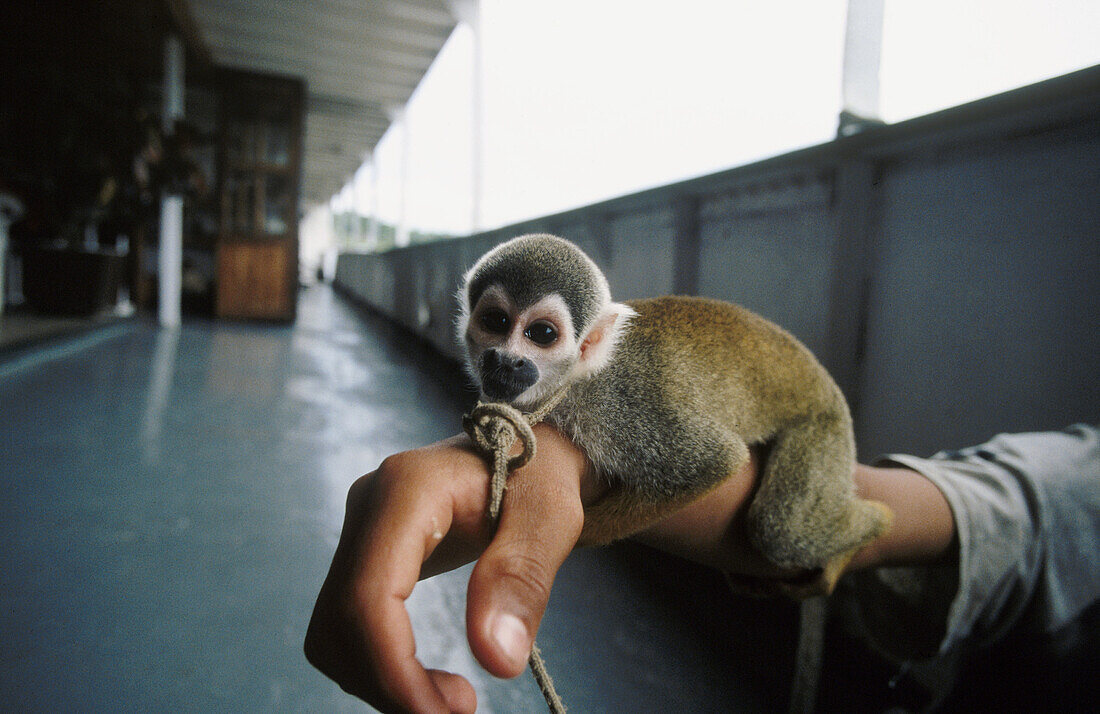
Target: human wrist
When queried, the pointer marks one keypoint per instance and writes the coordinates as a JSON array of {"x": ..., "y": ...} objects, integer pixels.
[
  {"x": 923, "y": 530},
  {"x": 570, "y": 463},
  {"x": 711, "y": 529}
]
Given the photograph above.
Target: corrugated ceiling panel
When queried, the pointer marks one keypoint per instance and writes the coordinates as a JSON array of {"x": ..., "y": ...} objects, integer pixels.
[{"x": 360, "y": 59}]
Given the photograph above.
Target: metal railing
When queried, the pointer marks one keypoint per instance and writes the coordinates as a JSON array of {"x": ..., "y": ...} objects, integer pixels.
[{"x": 944, "y": 269}]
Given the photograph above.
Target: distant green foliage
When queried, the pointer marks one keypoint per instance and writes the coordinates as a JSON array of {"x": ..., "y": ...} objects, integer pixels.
[{"x": 353, "y": 230}]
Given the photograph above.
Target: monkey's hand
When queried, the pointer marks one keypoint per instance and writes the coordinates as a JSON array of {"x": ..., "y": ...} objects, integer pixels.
[{"x": 421, "y": 513}]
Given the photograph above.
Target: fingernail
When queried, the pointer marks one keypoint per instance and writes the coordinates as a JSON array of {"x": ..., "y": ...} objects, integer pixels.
[{"x": 511, "y": 636}]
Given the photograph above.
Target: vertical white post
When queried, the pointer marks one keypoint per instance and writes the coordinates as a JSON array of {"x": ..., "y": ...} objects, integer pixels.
[
  {"x": 402, "y": 237},
  {"x": 170, "y": 261},
  {"x": 372, "y": 228},
  {"x": 469, "y": 13},
  {"x": 862, "y": 58},
  {"x": 170, "y": 254}
]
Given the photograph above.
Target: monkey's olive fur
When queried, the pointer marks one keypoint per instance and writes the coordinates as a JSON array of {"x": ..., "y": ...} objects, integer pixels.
[{"x": 665, "y": 395}]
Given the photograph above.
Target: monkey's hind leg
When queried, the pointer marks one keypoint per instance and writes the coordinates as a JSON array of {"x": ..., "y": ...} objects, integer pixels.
[{"x": 805, "y": 514}]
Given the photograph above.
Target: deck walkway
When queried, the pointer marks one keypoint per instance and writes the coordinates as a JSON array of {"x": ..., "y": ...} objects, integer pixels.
[{"x": 172, "y": 499}]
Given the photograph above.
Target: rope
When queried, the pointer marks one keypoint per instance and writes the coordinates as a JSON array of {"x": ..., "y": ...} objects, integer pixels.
[
  {"x": 546, "y": 684},
  {"x": 494, "y": 428}
]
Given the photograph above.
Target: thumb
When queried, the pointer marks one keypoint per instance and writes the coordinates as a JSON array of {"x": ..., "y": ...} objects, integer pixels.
[{"x": 541, "y": 520}]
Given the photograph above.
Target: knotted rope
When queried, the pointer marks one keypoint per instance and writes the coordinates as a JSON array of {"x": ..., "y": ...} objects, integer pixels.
[{"x": 494, "y": 428}]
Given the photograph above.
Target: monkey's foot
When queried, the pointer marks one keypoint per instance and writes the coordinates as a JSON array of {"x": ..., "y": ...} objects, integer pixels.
[{"x": 812, "y": 583}]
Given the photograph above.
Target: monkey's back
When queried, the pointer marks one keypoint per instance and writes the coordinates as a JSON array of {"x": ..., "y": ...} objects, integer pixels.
[{"x": 692, "y": 381}]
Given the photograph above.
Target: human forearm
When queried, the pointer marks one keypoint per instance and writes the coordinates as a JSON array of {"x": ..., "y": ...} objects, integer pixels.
[
  {"x": 924, "y": 528},
  {"x": 710, "y": 530}
]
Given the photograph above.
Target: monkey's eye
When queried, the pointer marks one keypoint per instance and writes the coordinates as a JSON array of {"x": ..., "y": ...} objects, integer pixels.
[
  {"x": 494, "y": 321},
  {"x": 541, "y": 333}
]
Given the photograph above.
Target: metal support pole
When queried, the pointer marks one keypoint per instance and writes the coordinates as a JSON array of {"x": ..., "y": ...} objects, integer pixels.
[
  {"x": 170, "y": 254},
  {"x": 372, "y": 228},
  {"x": 401, "y": 238},
  {"x": 862, "y": 58},
  {"x": 468, "y": 12}
]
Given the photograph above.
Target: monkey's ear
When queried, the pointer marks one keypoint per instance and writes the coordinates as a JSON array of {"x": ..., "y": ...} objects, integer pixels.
[{"x": 598, "y": 345}]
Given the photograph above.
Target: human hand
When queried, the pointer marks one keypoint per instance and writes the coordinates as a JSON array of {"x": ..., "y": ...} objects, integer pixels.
[{"x": 421, "y": 513}]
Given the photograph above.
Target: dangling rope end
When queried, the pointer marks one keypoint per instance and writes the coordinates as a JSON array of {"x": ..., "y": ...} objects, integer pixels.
[
  {"x": 546, "y": 684},
  {"x": 497, "y": 485}
]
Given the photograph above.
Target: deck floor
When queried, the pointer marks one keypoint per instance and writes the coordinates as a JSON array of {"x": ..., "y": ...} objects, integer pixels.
[{"x": 172, "y": 500}]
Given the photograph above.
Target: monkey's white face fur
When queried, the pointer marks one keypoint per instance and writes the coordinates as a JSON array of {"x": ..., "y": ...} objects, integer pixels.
[{"x": 523, "y": 355}]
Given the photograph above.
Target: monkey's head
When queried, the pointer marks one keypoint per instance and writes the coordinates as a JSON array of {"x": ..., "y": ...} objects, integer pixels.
[{"x": 536, "y": 315}]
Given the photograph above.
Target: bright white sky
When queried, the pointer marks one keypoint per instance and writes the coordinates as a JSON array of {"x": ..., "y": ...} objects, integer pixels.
[{"x": 589, "y": 99}]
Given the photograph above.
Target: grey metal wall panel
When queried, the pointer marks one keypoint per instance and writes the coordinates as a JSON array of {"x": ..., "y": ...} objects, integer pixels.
[
  {"x": 778, "y": 264},
  {"x": 642, "y": 255},
  {"x": 985, "y": 314}
]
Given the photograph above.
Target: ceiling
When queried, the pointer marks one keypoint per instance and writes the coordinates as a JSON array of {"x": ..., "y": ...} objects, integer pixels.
[{"x": 361, "y": 60}]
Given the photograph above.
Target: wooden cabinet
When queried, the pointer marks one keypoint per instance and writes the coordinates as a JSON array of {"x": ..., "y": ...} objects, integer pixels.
[
  {"x": 259, "y": 177},
  {"x": 253, "y": 282}
]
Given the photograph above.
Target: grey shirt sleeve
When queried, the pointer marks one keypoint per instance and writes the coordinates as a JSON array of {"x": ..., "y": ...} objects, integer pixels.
[{"x": 1027, "y": 517}]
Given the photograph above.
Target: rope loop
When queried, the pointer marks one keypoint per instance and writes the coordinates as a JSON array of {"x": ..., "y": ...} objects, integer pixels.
[{"x": 494, "y": 427}]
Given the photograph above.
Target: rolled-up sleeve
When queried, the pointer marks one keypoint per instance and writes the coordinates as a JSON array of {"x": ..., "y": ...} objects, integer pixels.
[{"x": 1027, "y": 517}]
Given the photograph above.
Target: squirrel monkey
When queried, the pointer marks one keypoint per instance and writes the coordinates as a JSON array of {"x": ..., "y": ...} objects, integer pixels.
[{"x": 664, "y": 396}]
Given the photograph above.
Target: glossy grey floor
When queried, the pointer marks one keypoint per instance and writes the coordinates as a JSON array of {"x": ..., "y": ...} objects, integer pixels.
[{"x": 172, "y": 499}]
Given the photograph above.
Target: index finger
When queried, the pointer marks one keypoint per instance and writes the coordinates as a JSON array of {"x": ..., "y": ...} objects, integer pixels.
[{"x": 409, "y": 523}]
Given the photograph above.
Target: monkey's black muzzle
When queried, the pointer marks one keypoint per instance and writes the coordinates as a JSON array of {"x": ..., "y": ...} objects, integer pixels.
[{"x": 503, "y": 377}]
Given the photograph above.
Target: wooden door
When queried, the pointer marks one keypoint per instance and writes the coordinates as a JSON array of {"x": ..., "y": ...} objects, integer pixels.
[{"x": 257, "y": 263}]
